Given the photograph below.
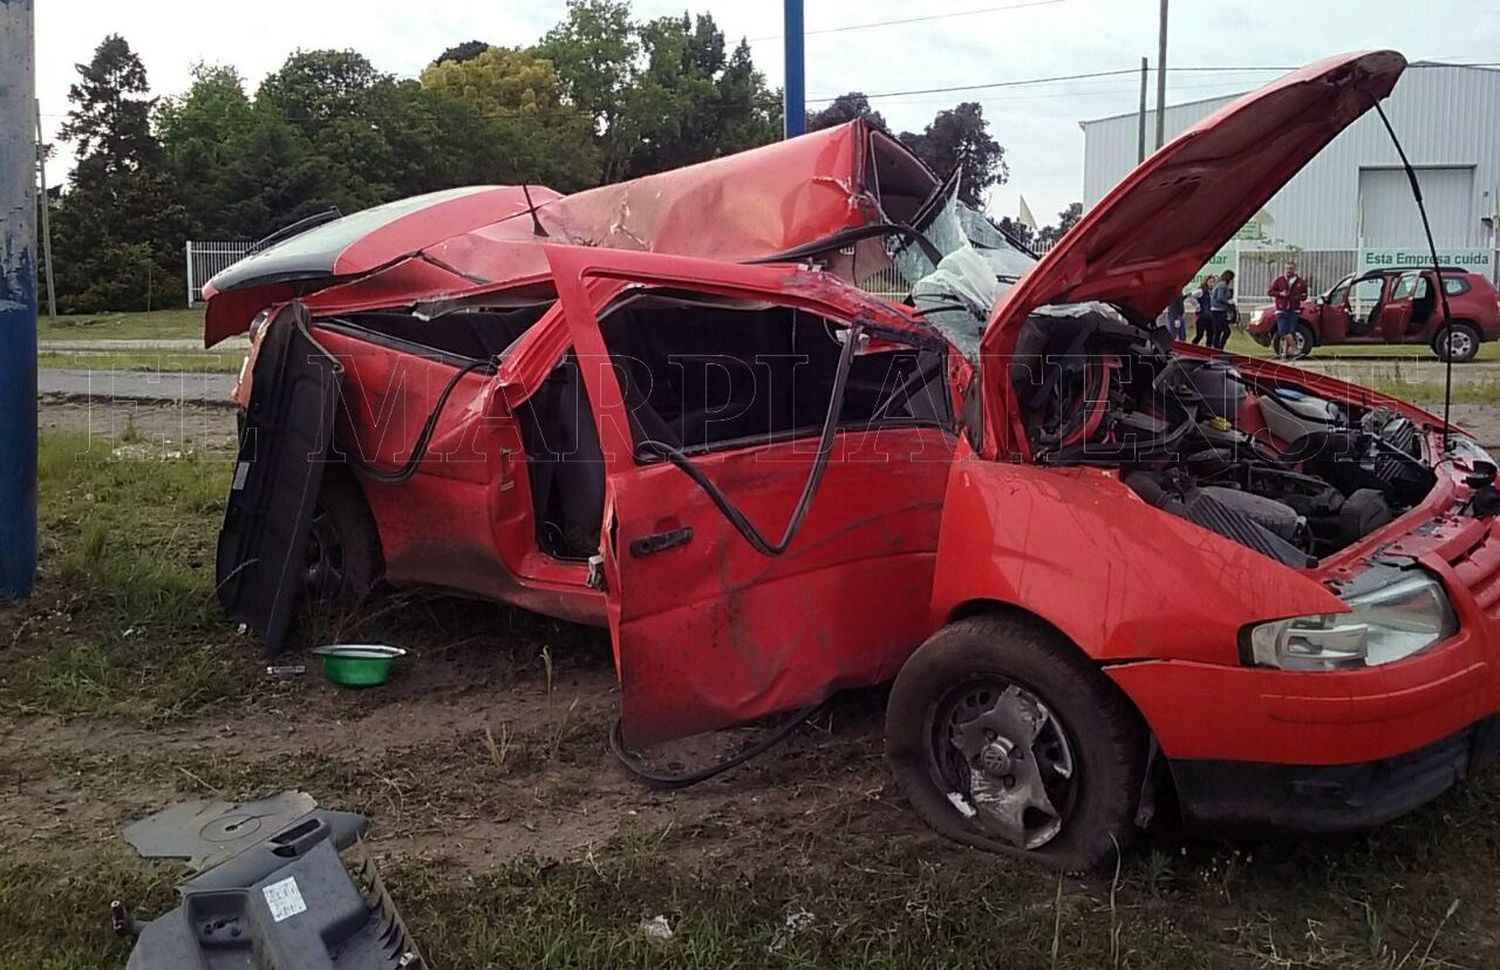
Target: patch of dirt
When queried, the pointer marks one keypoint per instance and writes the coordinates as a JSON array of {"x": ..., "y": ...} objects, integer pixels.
[{"x": 153, "y": 424}]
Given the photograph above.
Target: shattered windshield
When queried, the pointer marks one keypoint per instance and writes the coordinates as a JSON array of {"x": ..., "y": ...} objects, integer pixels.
[{"x": 976, "y": 265}]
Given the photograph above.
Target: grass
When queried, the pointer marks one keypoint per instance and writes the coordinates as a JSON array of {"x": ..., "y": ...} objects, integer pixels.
[
  {"x": 130, "y": 625},
  {"x": 124, "y": 635},
  {"x": 150, "y": 325},
  {"x": 177, "y": 361},
  {"x": 1241, "y": 342}
]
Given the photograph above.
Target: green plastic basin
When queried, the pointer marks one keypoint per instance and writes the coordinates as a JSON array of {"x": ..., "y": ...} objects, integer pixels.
[{"x": 358, "y": 664}]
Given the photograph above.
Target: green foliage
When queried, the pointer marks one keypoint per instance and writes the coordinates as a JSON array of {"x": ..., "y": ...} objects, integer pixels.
[
  {"x": 118, "y": 231},
  {"x": 844, "y": 109},
  {"x": 601, "y": 97},
  {"x": 959, "y": 139}
]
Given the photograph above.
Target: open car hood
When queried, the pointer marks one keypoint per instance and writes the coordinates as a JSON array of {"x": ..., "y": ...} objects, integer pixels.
[{"x": 1163, "y": 222}]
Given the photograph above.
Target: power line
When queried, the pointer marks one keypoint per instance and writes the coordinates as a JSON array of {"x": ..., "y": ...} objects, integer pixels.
[{"x": 915, "y": 20}]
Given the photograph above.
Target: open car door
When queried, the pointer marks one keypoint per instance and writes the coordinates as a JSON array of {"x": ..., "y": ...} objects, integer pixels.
[
  {"x": 1396, "y": 312},
  {"x": 288, "y": 429},
  {"x": 711, "y": 384}
]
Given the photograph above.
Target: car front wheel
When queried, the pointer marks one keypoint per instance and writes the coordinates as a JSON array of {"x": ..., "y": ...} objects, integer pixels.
[
  {"x": 1004, "y": 737},
  {"x": 1460, "y": 343}
]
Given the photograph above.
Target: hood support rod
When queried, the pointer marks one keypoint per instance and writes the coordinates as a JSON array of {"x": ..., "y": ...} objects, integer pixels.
[{"x": 1437, "y": 273}]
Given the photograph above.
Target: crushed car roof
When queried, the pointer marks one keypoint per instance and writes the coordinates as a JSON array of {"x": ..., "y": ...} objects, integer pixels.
[{"x": 752, "y": 205}]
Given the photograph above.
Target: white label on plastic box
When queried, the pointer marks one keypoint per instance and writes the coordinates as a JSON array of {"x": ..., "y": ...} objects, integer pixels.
[
  {"x": 284, "y": 899},
  {"x": 241, "y": 472}
]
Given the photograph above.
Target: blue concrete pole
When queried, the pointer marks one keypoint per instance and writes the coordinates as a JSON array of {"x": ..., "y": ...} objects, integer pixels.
[
  {"x": 18, "y": 160},
  {"x": 795, "y": 107}
]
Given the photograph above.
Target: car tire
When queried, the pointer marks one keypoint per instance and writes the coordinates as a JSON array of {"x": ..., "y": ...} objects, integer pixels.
[
  {"x": 1462, "y": 338},
  {"x": 343, "y": 560},
  {"x": 1306, "y": 341},
  {"x": 1091, "y": 722}
]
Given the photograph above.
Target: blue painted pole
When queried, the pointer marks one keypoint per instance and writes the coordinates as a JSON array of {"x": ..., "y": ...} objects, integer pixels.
[
  {"x": 795, "y": 107},
  {"x": 18, "y": 159}
]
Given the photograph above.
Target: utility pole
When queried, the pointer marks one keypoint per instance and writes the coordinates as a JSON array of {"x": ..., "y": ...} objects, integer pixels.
[
  {"x": 17, "y": 301},
  {"x": 795, "y": 106},
  {"x": 46, "y": 206},
  {"x": 1140, "y": 132},
  {"x": 1161, "y": 76}
]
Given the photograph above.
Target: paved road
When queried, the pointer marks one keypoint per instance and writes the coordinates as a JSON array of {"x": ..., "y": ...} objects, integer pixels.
[
  {"x": 209, "y": 389},
  {"x": 123, "y": 346}
]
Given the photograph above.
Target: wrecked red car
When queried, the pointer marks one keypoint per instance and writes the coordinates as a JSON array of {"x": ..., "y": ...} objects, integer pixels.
[
  {"x": 1396, "y": 306},
  {"x": 1098, "y": 566}
]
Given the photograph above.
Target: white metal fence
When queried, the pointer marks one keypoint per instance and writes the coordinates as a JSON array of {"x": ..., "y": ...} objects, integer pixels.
[{"x": 207, "y": 257}]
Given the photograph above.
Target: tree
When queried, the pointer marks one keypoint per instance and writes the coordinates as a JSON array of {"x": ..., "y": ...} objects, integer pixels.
[
  {"x": 525, "y": 131},
  {"x": 118, "y": 230},
  {"x": 202, "y": 136},
  {"x": 1017, "y": 230},
  {"x": 500, "y": 80},
  {"x": 1066, "y": 219},
  {"x": 958, "y": 140},
  {"x": 692, "y": 103},
  {"x": 110, "y": 122},
  {"x": 466, "y": 51},
  {"x": 845, "y": 108},
  {"x": 661, "y": 93},
  {"x": 594, "y": 51}
]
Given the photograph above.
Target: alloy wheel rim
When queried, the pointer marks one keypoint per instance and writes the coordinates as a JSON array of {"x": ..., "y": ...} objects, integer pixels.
[
  {"x": 1005, "y": 762},
  {"x": 1459, "y": 344},
  {"x": 324, "y": 567}
]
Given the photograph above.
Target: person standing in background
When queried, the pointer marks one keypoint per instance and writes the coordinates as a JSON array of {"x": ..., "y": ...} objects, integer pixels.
[
  {"x": 1177, "y": 317},
  {"x": 1288, "y": 291},
  {"x": 1221, "y": 305},
  {"x": 1203, "y": 323}
]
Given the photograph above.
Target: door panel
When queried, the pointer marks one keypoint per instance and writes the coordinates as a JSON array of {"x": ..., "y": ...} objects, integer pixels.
[
  {"x": 279, "y": 469},
  {"x": 712, "y": 633},
  {"x": 708, "y": 632}
]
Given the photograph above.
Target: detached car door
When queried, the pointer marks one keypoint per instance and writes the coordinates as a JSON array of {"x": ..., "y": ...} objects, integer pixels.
[{"x": 727, "y": 367}]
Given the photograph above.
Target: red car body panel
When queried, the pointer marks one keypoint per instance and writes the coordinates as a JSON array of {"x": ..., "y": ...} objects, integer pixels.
[
  {"x": 914, "y": 525},
  {"x": 746, "y": 206},
  {"x": 713, "y": 633},
  {"x": 1178, "y": 207},
  {"x": 372, "y": 239},
  {"x": 1478, "y": 305}
]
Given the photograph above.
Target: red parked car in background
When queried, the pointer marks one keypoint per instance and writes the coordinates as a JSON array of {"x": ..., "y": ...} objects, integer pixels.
[{"x": 1396, "y": 306}]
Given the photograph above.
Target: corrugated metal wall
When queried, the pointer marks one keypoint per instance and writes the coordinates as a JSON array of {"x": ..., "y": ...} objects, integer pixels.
[{"x": 1445, "y": 116}]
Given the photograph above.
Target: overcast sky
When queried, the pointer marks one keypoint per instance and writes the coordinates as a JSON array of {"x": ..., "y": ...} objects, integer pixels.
[{"x": 986, "y": 43}]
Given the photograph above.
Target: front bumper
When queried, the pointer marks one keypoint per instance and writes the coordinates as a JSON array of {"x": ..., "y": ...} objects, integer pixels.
[{"x": 1249, "y": 799}]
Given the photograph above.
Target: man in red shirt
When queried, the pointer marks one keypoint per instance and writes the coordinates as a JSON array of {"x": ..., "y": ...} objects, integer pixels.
[{"x": 1288, "y": 290}]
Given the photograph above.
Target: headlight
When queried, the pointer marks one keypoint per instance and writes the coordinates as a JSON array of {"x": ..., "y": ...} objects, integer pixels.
[{"x": 1393, "y": 614}]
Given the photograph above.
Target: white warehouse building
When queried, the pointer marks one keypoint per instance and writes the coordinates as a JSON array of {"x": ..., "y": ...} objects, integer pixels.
[{"x": 1351, "y": 207}]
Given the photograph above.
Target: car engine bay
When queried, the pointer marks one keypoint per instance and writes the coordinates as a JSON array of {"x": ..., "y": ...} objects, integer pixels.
[{"x": 1291, "y": 475}]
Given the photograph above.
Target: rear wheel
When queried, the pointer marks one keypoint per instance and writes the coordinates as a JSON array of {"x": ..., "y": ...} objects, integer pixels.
[
  {"x": 1459, "y": 342},
  {"x": 1005, "y": 738},
  {"x": 342, "y": 561}
]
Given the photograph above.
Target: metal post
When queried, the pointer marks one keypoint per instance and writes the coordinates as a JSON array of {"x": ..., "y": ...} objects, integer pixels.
[
  {"x": 1140, "y": 134},
  {"x": 17, "y": 301},
  {"x": 187, "y": 252},
  {"x": 41, "y": 172},
  {"x": 1161, "y": 76},
  {"x": 795, "y": 107}
]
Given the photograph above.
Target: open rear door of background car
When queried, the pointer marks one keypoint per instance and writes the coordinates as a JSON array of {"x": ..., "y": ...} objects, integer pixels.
[
  {"x": 1395, "y": 313},
  {"x": 285, "y": 442},
  {"x": 708, "y": 631}
]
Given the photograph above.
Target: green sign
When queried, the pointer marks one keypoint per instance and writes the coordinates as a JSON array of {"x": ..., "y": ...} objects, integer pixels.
[{"x": 1473, "y": 260}]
